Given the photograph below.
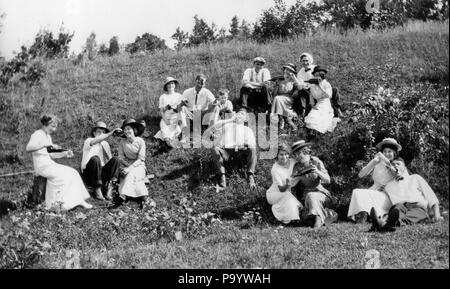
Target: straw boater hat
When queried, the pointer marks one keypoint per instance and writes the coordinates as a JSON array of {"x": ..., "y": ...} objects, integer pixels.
[
  {"x": 139, "y": 126},
  {"x": 291, "y": 67},
  {"x": 390, "y": 142},
  {"x": 99, "y": 124},
  {"x": 319, "y": 69},
  {"x": 259, "y": 59},
  {"x": 299, "y": 145},
  {"x": 169, "y": 80}
]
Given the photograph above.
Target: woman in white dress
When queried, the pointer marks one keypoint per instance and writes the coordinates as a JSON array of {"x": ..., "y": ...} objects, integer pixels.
[
  {"x": 285, "y": 206},
  {"x": 132, "y": 162},
  {"x": 173, "y": 113},
  {"x": 65, "y": 189},
  {"x": 320, "y": 118},
  {"x": 282, "y": 102},
  {"x": 382, "y": 172}
]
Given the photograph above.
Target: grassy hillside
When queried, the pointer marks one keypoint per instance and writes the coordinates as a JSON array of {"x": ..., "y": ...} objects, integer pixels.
[{"x": 409, "y": 60}]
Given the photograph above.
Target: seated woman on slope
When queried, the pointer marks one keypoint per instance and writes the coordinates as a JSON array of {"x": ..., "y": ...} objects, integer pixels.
[
  {"x": 173, "y": 112},
  {"x": 65, "y": 188},
  {"x": 285, "y": 206},
  {"x": 382, "y": 172}
]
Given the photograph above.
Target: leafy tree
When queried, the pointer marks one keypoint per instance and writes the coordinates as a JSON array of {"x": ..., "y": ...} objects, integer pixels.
[
  {"x": 181, "y": 38},
  {"x": 234, "y": 27},
  {"x": 146, "y": 42},
  {"x": 113, "y": 46},
  {"x": 245, "y": 30},
  {"x": 201, "y": 33},
  {"x": 272, "y": 23},
  {"x": 45, "y": 45}
]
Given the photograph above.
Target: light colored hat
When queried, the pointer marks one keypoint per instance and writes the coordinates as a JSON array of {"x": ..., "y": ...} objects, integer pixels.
[
  {"x": 309, "y": 56},
  {"x": 290, "y": 66},
  {"x": 389, "y": 141},
  {"x": 259, "y": 59},
  {"x": 99, "y": 124},
  {"x": 169, "y": 80},
  {"x": 299, "y": 145}
]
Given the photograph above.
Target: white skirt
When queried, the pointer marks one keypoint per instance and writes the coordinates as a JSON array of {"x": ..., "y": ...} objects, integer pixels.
[
  {"x": 169, "y": 127},
  {"x": 285, "y": 206},
  {"x": 364, "y": 199},
  {"x": 65, "y": 188},
  {"x": 320, "y": 118},
  {"x": 133, "y": 184}
]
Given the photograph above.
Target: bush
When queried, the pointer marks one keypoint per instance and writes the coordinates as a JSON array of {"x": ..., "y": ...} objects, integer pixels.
[
  {"x": 146, "y": 42},
  {"x": 113, "y": 46},
  {"x": 45, "y": 45}
]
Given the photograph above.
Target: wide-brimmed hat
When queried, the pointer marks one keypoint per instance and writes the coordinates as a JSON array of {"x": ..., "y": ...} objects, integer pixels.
[
  {"x": 169, "y": 80},
  {"x": 319, "y": 69},
  {"x": 99, "y": 124},
  {"x": 259, "y": 59},
  {"x": 307, "y": 55},
  {"x": 390, "y": 142},
  {"x": 299, "y": 145},
  {"x": 290, "y": 66},
  {"x": 139, "y": 126}
]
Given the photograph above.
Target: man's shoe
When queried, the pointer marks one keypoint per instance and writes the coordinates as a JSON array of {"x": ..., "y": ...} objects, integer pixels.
[
  {"x": 98, "y": 194},
  {"x": 109, "y": 191},
  {"x": 377, "y": 222}
]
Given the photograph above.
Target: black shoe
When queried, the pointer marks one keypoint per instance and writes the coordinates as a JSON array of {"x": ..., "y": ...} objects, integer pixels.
[{"x": 377, "y": 224}]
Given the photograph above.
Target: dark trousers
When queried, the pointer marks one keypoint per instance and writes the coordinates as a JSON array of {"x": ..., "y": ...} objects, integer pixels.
[
  {"x": 222, "y": 155},
  {"x": 301, "y": 102},
  {"x": 257, "y": 99},
  {"x": 94, "y": 175},
  {"x": 406, "y": 214}
]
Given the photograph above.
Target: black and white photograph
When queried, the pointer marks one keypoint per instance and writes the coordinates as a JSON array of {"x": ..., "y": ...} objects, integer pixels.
[{"x": 210, "y": 134}]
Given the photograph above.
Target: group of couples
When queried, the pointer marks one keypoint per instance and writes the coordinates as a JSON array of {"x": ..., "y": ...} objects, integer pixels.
[
  {"x": 295, "y": 94},
  {"x": 101, "y": 171},
  {"x": 396, "y": 198}
]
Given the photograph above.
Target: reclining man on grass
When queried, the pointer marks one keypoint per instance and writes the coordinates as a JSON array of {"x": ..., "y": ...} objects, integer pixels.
[{"x": 413, "y": 201}]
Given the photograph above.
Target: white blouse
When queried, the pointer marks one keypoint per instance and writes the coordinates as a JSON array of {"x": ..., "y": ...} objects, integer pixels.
[{"x": 41, "y": 158}]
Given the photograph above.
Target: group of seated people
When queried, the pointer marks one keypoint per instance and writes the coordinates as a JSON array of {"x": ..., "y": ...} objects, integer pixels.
[
  {"x": 100, "y": 171},
  {"x": 297, "y": 195},
  {"x": 396, "y": 198},
  {"x": 298, "y": 94}
]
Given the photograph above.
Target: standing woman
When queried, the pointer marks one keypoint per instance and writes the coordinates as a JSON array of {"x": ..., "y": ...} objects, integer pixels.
[
  {"x": 172, "y": 112},
  {"x": 311, "y": 174},
  {"x": 132, "y": 162},
  {"x": 320, "y": 118},
  {"x": 65, "y": 189},
  {"x": 285, "y": 206},
  {"x": 282, "y": 102},
  {"x": 382, "y": 172}
]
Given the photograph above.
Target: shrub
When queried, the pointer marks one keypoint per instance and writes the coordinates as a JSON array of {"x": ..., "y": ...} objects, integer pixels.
[
  {"x": 146, "y": 42},
  {"x": 45, "y": 45},
  {"x": 113, "y": 46}
]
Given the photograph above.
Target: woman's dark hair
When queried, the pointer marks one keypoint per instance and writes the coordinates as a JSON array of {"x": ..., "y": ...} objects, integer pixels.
[
  {"x": 47, "y": 119},
  {"x": 390, "y": 146},
  {"x": 399, "y": 159}
]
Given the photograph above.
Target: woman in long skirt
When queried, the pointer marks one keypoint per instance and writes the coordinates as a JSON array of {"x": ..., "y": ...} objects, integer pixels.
[
  {"x": 65, "y": 188},
  {"x": 132, "y": 161},
  {"x": 285, "y": 206},
  {"x": 382, "y": 172},
  {"x": 172, "y": 113}
]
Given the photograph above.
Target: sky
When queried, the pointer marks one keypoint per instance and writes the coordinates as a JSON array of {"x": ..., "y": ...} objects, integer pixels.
[{"x": 123, "y": 18}]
